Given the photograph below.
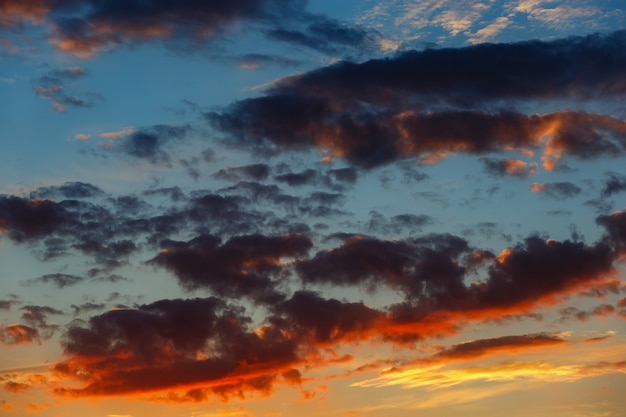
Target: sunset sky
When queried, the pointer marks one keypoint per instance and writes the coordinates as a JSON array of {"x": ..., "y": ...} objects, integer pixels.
[{"x": 272, "y": 208}]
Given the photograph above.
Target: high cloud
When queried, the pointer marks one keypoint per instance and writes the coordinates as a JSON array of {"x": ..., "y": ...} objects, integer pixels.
[{"x": 83, "y": 28}]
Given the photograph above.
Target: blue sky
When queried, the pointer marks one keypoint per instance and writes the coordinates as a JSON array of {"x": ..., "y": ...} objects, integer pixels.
[{"x": 269, "y": 207}]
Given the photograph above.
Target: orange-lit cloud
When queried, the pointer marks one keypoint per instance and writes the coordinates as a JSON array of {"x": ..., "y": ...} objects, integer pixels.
[
  {"x": 118, "y": 134},
  {"x": 82, "y": 136},
  {"x": 16, "y": 334},
  {"x": 440, "y": 376},
  {"x": 15, "y": 11}
]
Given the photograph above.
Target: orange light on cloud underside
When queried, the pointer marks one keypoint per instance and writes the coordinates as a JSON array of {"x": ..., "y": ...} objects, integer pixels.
[{"x": 441, "y": 376}]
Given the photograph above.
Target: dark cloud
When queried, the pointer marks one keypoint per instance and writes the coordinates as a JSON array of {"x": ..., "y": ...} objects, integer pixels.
[
  {"x": 70, "y": 190},
  {"x": 55, "y": 229},
  {"x": 9, "y": 301},
  {"x": 130, "y": 205},
  {"x": 345, "y": 175},
  {"x": 149, "y": 144},
  {"x": 198, "y": 345},
  {"x": 282, "y": 122},
  {"x": 83, "y": 28},
  {"x": 431, "y": 271},
  {"x": 574, "y": 313},
  {"x": 326, "y": 35},
  {"x": 53, "y": 87},
  {"x": 173, "y": 193},
  {"x": 58, "y": 279},
  {"x": 509, "y": 167},
  {"x": 224, "y": 214},
  {"x": 294, "y": 179},
  {"x": 175, "y": 343},
  {"x": 244, "y": 266},
  {"x": 30, "y": 219},
  {"x": 557, "y": 190},
  {"x": 335, "y": 179},
  {"x": 615, "y": 225},
  {"x": 257, "y": 172},
  {"x": 111, "y": 254},
  {"x": 488, "y": 230},
  {"x": 401, "y": 224},
  {"x": 419, "y": 104},
  {"x": 87, "y": 307},
  {"x": 532, "y": 69},
  {"x": 616, "y": 183},
  {"x": 508, "y": 344},
  {"x": 325, "y": 321},
  {"x": 406, "y": 265}
]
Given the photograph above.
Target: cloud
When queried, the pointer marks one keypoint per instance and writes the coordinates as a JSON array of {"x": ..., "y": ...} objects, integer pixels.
[
  {"x": 148, "y": 144},
  {"x": 562, "y": 16},
  {"x": 556, "y": 190},
  {"x": 29, "y": 219},
  {"x": 82, "y": 136},
  {"x": 202, "y": 344},
  {"x": 400, "y": 224},
  {"x": 52, "y": 86},
  {"x": 69, "y": 190},
  {"x": 15, "y": 387},
  {"x": 15, "y": 12},
  {"x": 491, "y": 30},
  {"x": 193, "y": 349},
  {"x": 256, "y": 172},
  {"x": 16, "y": 334},
  {"x": 510, "y": 167},
  {"x": 615, "y": 224},
  {"x": 326, "y": 35},
  {"x": 118, "y": 134},
  {"x": 602, "y": 310},
  {"x": 505, "y": 344},
  {"x": 35, "y": 329},
  {"x": 326, "y": 321},
  {"x": 9, "y": 301},
  {"x": 616, "y": 183},
  {"x": 58, "y": 279},
  {"x": 419, "y": 105},
  {"x": 85, "y": 28},
  {"x": 430, "y": 272},
  {"x": 244, "y": 266},
  {"x": 438, "y": 377}
]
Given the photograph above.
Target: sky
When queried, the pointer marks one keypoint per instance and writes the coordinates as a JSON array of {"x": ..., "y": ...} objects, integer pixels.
[{"x": 266, "y": 208}]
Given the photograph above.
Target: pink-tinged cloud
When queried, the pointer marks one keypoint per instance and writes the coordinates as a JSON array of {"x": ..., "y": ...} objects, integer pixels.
[
  {"x": 82, "y": 136},
  {"x": 118, "y": 134}
]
